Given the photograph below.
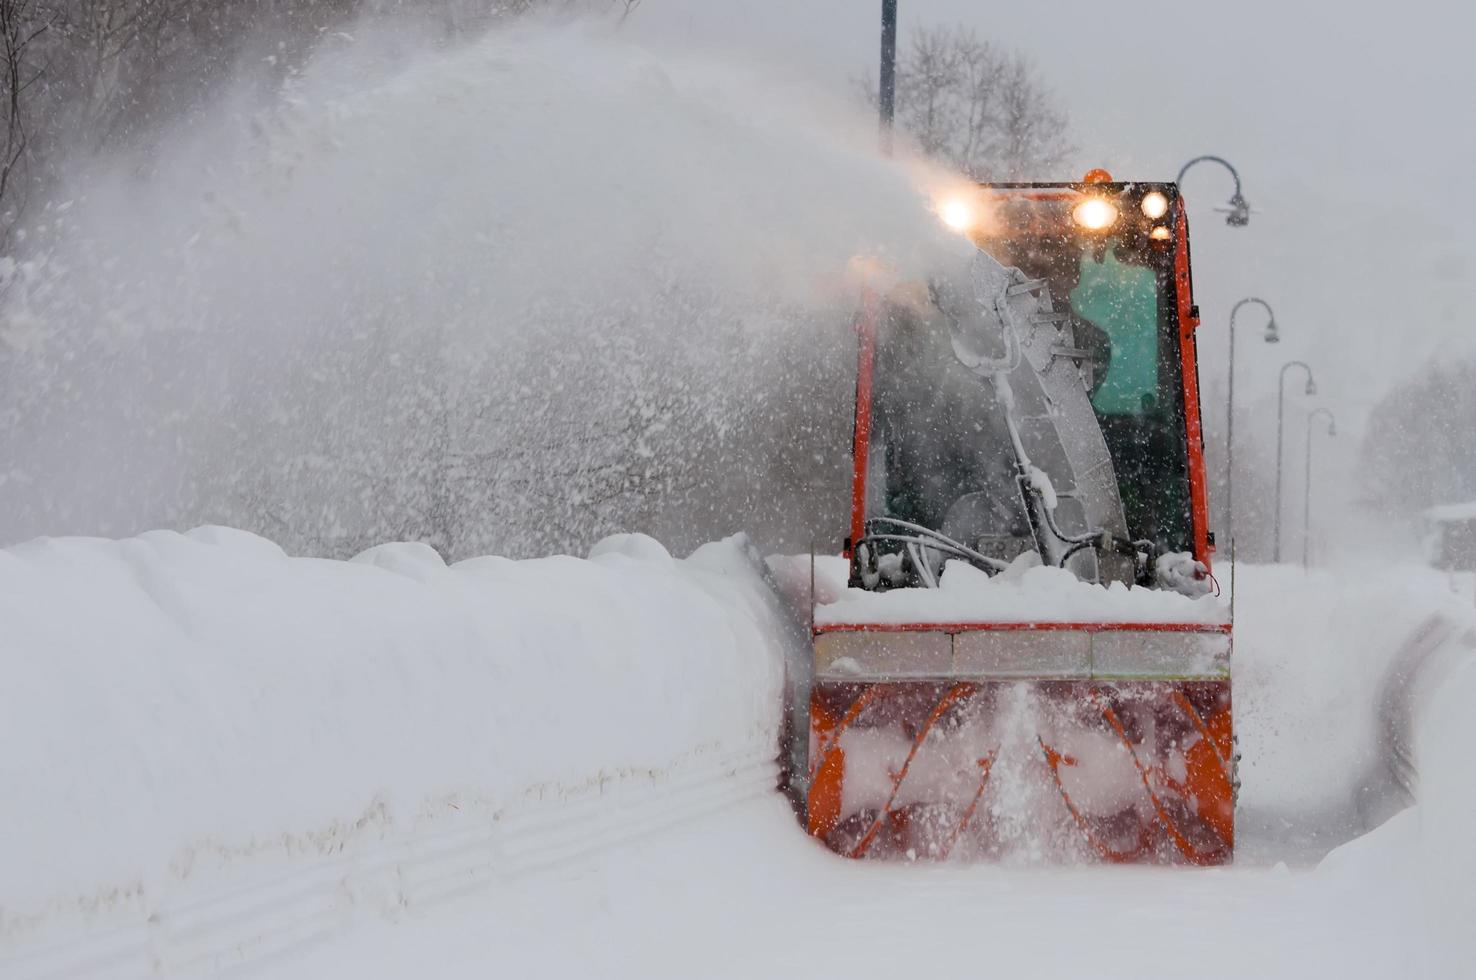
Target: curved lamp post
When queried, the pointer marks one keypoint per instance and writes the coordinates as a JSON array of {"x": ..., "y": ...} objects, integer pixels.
[
  {"x": 1238, "y": 213},
  {"x": 1332, "y": 430},
  {"x": 1272, "y": 336},
  {"x": 1280, "y": 439}
]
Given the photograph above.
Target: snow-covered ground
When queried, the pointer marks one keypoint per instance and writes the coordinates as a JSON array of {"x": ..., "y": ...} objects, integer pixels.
[
  {"x": 191, "y": 718},
  {"x": 743, "y": 894},
  {"x": 221, "y": 757}
]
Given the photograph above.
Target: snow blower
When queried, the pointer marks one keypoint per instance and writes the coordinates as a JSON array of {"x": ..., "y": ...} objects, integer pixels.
[{"x": 1024, "y": 662}]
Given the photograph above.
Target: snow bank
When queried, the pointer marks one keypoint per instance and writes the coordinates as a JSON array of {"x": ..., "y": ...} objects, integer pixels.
[
  {"x": 1446, "y": 861},
  {"x": 1426, "y": 855},
  {"x": 1313, "y": 658},
  {"x": 1353, "y": 689},
  {"x": 1019, "y": 595},
  {"x": 179, "y": 707}
]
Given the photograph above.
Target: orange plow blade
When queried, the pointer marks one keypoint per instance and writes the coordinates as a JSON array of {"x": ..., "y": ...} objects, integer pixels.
[{"x": 970, "y": 764}]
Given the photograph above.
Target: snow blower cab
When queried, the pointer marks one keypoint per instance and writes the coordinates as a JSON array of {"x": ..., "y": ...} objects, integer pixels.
[{"x": 1025, "y": 659}]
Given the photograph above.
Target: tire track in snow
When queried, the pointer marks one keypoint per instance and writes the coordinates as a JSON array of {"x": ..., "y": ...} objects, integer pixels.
[{"x": 205, "y": 929}]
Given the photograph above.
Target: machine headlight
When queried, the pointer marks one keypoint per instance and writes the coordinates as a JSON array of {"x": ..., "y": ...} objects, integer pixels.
[
  {"x": 956, "y": 214},
  {"x": 1095, "y": 213},
  {"x": 1155, "y": 205},
  {"x": 1160, "y": 233}
]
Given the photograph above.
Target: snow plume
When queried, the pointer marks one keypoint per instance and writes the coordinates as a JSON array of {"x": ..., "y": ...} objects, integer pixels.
[{"x": 505, "y": 296}]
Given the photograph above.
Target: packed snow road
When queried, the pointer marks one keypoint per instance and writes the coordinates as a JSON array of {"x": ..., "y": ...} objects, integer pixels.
[
  {"x": 744, "y": 894},
  {"x": 218, "y": 757}
]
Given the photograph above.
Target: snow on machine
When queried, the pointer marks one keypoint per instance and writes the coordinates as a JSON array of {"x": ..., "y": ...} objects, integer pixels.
[{"x": 1021, "y": 659}]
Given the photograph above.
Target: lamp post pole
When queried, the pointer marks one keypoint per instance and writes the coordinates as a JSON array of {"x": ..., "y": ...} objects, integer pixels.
[
  {"x": 1238, "y": 213},
  {"x": 887, "y": 94},
  {"x": 1332, "y": 430},
  {"x": 1280, "y": 440},
  {"x": 1272, "y": 336}
]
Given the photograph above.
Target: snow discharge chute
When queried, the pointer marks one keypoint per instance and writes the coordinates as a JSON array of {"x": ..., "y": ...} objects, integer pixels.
[{"x": 1024, "y": 660}]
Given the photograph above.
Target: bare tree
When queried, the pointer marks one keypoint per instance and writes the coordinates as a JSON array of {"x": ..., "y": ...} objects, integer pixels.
[
  {"x": 1420, "y": 449},
  {"x": 99, "y": 64},
  {"x": 112, "y": 73},
  {"x": 1031, "y": 126},
  {"x": 22, "y": 23},
  {"x": 977, "y": 108}
]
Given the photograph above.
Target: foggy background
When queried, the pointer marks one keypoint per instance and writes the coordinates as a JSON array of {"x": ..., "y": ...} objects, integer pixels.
[{"x": 507, "y": 278}]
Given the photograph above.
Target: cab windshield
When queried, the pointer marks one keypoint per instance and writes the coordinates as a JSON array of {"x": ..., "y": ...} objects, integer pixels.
[{"x": 942, "y": 434}]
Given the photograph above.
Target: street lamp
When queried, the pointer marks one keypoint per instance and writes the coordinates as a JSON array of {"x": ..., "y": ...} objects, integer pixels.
[
  {"x": 1272, "y": 335},
  {"x": 1237, "y": 215},
  {"x": 1332, "y": 430},
  {"x": 1280, "y": 430}
]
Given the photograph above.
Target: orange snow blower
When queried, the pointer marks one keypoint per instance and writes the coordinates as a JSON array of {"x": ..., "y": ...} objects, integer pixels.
[{"x": 1023, "y": 662}]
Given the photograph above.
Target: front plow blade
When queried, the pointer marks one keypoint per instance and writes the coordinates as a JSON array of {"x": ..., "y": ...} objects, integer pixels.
[{"x": 1039, "y": 768}]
